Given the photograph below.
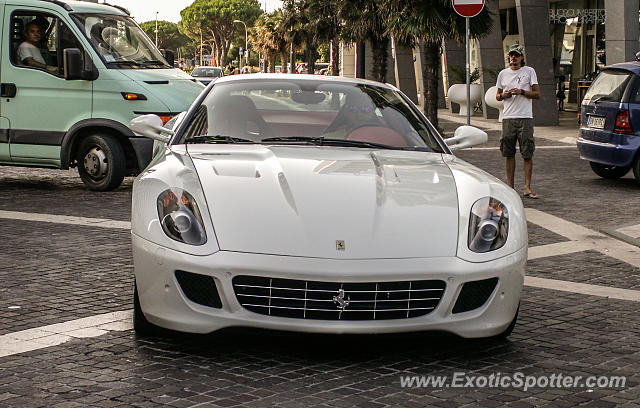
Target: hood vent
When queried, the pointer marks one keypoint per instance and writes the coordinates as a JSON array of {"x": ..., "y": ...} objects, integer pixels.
[{"x": 157, "y": 82}]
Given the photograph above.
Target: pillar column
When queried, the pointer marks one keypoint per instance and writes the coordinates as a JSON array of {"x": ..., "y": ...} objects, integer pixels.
[
  {"x": 491, "y": 58},
  {"x": 533, "y": 25},
  {"x": 621, "y": 30},
  {"x": 454, "y": 57}
]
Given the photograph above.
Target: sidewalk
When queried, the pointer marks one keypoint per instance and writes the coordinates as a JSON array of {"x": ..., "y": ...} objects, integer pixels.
[{"x": 566, "y": 132}]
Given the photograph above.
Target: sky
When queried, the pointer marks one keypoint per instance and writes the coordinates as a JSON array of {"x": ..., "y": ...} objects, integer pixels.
[{"x": 168, "y": 10}]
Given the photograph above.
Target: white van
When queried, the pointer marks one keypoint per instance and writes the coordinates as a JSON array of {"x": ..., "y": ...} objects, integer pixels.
[{"x": 73, "y": 75}]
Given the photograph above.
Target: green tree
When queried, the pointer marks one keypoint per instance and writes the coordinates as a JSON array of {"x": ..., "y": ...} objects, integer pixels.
[
  {"x": 432, "y": 21},
  {"x": 169, "y": 37},
  {"x": 328, "y": 26},
  {"x": 212, "y": 20},
  {"x": 292, "y": 29},
  {"x": 366, "y": 20},
  {"x": 263, "y": 38}
]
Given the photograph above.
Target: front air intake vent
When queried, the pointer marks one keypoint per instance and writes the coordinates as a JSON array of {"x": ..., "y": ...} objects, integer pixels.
[
  {"x": 474, "y": 294},
  {"x": 200, "y": 289}
]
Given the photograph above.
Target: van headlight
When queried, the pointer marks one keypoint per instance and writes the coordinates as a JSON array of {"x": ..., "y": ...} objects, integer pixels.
[
  {"x": 488, "y": 225},
  {"x": 180, "y": 217}
]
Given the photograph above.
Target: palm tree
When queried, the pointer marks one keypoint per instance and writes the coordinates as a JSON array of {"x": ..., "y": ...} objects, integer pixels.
[
  {"x": 433, "y": 21},
  {"x": 263, "y": 37},
  {"x": 292, "y": 26},
  {"x": 328, "y": 26},
  {"x": 366, "y": 20}
]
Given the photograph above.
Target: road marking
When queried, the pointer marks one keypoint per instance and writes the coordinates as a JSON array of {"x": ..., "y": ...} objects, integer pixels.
[
  {"x": 583, "y": 288},
  {"x": 94, "y": 326},
  {"x": 66, "y": 219},
  {"x": 588, "y": 238},
  {"x": 560, "y": 248},
  {"x": 633, "y": 231},
  {"x": 59, "y": 333}
]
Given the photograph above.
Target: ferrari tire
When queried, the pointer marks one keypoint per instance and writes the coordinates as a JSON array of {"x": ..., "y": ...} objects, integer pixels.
[
  {"x": 507, "y": 332},
  {"x": 141, "y": 325}
]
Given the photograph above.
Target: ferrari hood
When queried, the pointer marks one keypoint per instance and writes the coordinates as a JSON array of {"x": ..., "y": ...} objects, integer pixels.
[{"x": 329, "y": 202}]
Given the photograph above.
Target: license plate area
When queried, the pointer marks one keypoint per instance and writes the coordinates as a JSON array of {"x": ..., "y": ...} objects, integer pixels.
[{"x": 596, "y": 122}]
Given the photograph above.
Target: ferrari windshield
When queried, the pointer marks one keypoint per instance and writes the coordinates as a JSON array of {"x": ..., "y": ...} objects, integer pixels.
[
  {"x": 120, "y": 42},
  {"x": 318, "y": 112}
]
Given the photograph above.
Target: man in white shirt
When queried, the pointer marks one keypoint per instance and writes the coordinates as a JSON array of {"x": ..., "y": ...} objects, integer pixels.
[
  {"x": 28, "y": 51},
  {"x": 517, "y": 87}
]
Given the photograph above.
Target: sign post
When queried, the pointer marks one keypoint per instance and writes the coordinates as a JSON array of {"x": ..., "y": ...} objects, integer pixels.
[{"x": 468, "y": 9}]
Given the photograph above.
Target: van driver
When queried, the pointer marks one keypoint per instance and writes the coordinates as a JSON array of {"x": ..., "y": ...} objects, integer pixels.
[{"x": 29, "y": 53}]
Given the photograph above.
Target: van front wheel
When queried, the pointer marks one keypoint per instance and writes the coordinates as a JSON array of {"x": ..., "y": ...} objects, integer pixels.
[{"x": 101, "y": 162}]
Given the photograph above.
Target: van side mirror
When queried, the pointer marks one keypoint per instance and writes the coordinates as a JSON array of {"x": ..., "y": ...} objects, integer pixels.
[
  {"x": 151, "y": 126},
  {"x": 168, "y": 55},
  {"x": 466, "y": 136},
  {"x": 74, "y": 68}
]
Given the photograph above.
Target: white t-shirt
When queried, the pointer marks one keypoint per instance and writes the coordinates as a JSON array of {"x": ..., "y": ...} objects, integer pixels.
[
  {"x": 28, "y": 50},
  {"x": 518, "y": 106}
]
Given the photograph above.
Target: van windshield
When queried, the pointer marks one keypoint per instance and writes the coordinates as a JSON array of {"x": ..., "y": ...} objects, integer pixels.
[{"x": 120, "y": 42}]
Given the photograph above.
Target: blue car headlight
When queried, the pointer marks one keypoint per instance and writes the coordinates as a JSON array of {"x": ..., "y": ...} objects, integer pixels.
[
  {"x": 488, "y": 225},
  {"x": 180, "y": 217}
]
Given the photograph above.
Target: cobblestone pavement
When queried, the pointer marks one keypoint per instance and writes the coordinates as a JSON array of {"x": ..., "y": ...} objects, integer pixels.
[{"x": 55, "y": 273}]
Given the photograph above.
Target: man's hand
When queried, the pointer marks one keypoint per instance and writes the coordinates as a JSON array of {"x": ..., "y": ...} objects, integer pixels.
[
  {"x": 507, "y": 94},
  {"x": 516, "y": 91}
]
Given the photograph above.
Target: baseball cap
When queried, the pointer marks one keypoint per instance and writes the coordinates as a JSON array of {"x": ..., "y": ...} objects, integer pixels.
[{"x": 517, "y": 49}]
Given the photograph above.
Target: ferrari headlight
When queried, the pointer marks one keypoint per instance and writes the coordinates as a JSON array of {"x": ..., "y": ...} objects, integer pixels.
[
  {"x": 488, "y": 225},
  {"x": 180, "y": 217}
]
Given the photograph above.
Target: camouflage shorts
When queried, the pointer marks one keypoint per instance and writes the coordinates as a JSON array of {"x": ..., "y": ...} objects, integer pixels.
[{"x": 520, "y": 130}]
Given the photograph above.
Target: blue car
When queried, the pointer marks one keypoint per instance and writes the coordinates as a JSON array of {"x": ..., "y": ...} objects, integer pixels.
[{"x": 610, "y": 122}]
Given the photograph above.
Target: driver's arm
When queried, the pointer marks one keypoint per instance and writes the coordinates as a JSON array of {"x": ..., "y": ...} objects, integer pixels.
[{"x": 29, "y": 61}]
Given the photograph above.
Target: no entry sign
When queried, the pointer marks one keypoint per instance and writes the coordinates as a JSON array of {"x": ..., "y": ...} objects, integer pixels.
[{"x": 468, "y": 8}]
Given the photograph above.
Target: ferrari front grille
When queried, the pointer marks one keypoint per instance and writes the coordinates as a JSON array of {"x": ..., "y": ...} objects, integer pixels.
[{"x": 338, "y": 300}]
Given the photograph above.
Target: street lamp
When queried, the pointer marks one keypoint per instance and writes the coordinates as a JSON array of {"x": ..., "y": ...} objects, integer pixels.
[{"x": 246, "y": 40}]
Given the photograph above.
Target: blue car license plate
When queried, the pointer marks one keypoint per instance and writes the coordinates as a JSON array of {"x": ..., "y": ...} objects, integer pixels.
[{"x": 596, "y": 122}]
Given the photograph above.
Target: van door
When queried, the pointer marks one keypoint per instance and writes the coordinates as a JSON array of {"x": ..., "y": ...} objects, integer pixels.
[{"x": 45, "y": 105}]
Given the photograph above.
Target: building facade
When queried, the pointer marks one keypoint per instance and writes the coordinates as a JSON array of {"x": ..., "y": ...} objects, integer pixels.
[{"x": 570, "y": 40}]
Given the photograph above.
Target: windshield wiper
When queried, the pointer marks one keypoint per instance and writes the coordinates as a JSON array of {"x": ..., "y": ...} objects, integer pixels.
[
  {"x": 218, "y": 139},
  {"x": 321, "y": 141},
  {"x": 155, "y": 62},
  {"x": 124, "y": 62}
]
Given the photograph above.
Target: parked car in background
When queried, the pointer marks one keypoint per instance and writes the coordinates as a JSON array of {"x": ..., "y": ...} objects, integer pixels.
[
  {"x": 610, "y": 122},
  {"x": 98, "y": 70},
  {"x": 321, "y": 204},
  {"x": 205, "y": 75}
]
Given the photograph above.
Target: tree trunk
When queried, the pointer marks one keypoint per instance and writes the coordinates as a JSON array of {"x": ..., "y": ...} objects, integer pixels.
[
  {"x": 308, "y": 56},
  {"x": 379, "y": 69},
  {"x": 430, "y": 68},
  {"x": 283, "y": 61},
  {"x": 292, "y": 60},
  {"x": 335, "y": 45},
  {"x": 360, "y": 60},
  {"x": 272, "y": 61}
]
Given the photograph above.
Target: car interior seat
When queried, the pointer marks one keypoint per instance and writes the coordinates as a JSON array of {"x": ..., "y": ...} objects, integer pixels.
[{"x": 237, "y": 116}]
